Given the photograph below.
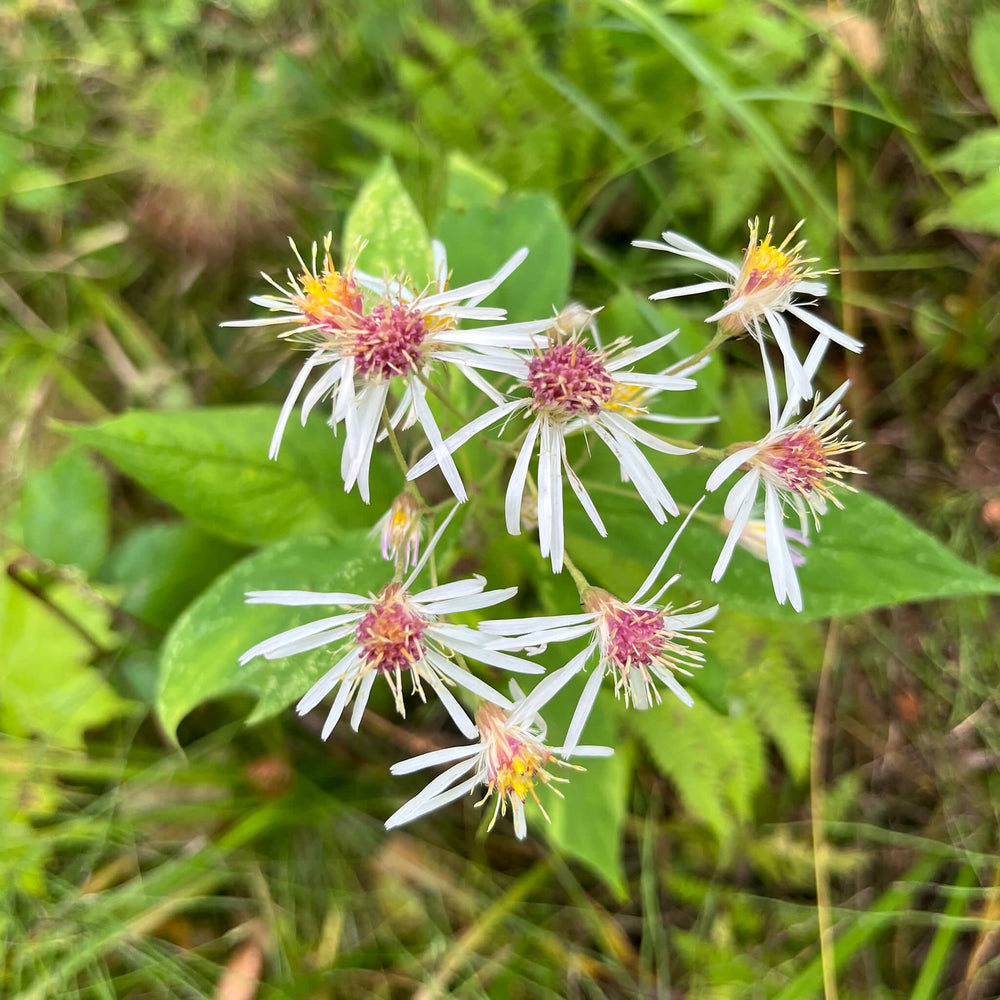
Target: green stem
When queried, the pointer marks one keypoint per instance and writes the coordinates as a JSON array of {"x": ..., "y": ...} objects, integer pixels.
[
  {"x": 398, "y": 452},
  {"x": 720, "y": 338},
  {"x": 578, "y": 578}
]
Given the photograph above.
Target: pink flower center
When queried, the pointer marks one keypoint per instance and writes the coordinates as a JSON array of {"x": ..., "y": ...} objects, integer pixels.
[
  {"x": 389, "y": 634},
  {"x": 569, "y": 380},
  {"x": 799, "y": 459},
  {"x": 388, "y": 341},
  {"x": 635, "y": 637}
]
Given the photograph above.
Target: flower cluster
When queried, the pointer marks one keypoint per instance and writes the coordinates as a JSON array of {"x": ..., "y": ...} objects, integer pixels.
[{"x": 381, "y": 353}]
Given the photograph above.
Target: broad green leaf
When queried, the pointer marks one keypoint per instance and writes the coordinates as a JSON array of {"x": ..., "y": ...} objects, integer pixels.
[
  {"x": 48, "y": 686},
  {"x": 212, "y": 465},
  {"x": 976, "y": 208},
  {"x": 975, "y": 155},
  {"x": 65, "y": 512},
  {"x": 164, "y": 566},
  {"x": 587, "y": 823},
  {"x": 481, "y": 234},
  {"x": 384, "y": 215},
  {"x": 984, "y": 46},
  {"x": 716, "y": 761},
  {"x": 865, "y": 556},
  {"x": 201, "y": 651},
  {"x": 469, "y": 184}
]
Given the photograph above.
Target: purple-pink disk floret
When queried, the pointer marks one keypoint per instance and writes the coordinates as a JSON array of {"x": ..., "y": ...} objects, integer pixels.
[
  {"x": 569, "y": 379},
  {"x": 388, "y": 342}
]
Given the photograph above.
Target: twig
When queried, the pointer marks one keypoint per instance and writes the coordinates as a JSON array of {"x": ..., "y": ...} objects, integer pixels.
[
  {"x": 819, "y": 734},
  {"x": 23, "y": 581}
]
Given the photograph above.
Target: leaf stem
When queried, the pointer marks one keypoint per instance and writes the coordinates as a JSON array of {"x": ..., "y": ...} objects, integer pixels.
[{"x": 721, "y": 336}]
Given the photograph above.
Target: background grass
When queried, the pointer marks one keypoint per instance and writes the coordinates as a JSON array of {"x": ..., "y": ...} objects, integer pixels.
[{"x": 153, "y": 157}]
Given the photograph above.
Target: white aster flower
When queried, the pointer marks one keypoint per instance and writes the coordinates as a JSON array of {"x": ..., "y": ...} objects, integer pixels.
[
  {"x": 638, "y": 641},
  {"x": 363, "y": 346},
  {"x": 795, "y": 464},
  {"x": 569, "y": 387},
  {"x": 508, "y": 760},
  {"x": 394, "y": 634},
  {"x": 762, "y": 288}
]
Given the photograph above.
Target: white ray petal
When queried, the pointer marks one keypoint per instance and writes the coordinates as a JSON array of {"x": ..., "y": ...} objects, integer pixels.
[
  {"x": 361, "y": 700},
  {"x": 827, "y": 329},
  {"x": 443, "y": 756},
  {"x": 422, "y": 561},
  {"x": 672, "y": 293},
  {"x": 518, "y": 479},
  {"x": 439, "y": 449},
  {"x": 336, "y": 709},
  {"x": 583, "y": 709},
  {"x": 654, "y": 573},
  {"x": 289, "y": 404},
  {"x": 325, "y": 684},
  {"x": 728, "y": 466},
  {"x": 301, "y": 598}
]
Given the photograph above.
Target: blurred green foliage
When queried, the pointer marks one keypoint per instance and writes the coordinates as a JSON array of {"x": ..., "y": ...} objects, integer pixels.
[{"x": 153, "y": 158}]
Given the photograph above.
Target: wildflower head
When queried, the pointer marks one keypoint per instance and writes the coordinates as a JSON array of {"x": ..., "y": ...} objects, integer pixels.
[
  {"x": 639, "y": 644},
  {"x": 400, "y": 531},
  {"x": 800, "y": 460},
  {"x": 513, "y": 759},
  {"x": 568, "y": 380},
  {"x": 768, "y": 277},
  {"x": 389, "y": 635}
]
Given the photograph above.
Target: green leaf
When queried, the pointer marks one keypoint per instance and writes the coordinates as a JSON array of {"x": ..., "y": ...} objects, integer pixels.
[
  {"x": 716, "y": 761},
  {"x": 164, "y": 566},
  {"x": 587, "y": 823},
  {"x": 481, "y": 232},
  {"x": 689, "y": 51},
  {"x": 212, "y": 465},
  {"x": 975, "y": 155},
  {"x": 201, "y": 651},
  {"x": 469, "y": 185},
  {"x": 976, "y": 208},
  {"x": 865, "y": 556},
  {"x": 760, "y": 656},
  {"x": 984, "y": 46},
  {"x": 48, "y": 686},
  {"x": 65, "y": 512},
  {"x": 384, "y": 215}
]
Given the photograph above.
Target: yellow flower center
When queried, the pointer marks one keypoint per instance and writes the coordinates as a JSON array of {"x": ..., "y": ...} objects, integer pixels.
[
  {"x": 627, "y": 400},
  {"x": 766, "y": 264}
]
